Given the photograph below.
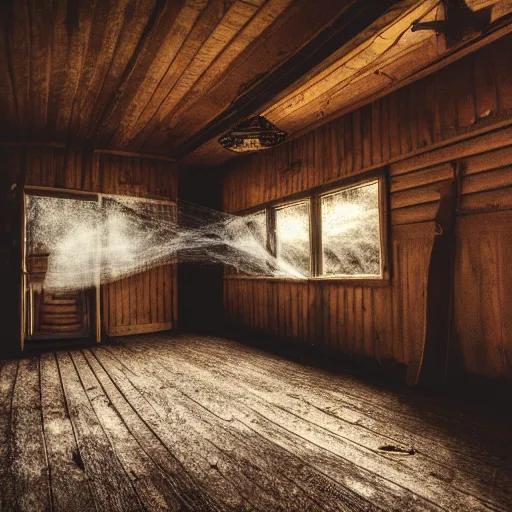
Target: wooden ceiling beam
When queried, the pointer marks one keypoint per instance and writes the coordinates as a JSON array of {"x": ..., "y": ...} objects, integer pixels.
[
  {"x": 388, "y": 55},
  {"x": 498, "y": 29},
  {"x": 276, "y": 32},
  {"x": 357, "y": 17},
  {"x": 273, "y": 48}
]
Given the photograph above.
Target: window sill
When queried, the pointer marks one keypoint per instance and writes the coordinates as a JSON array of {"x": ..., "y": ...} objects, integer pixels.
[{"x": 382, "y": 282}]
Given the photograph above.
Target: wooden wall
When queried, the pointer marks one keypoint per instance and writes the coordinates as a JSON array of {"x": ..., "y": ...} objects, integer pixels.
[
  {"x": 142, "y": 303},
  {"x": 462, "y": 113}
]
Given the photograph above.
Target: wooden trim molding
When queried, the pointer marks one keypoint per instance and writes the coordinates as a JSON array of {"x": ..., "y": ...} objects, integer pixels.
[
  {"x": 148, "y": 156},
  {"x": 61, "y": 145},
  {"x": 71, "y": 192},
  {"x": 37, "y": 190},
  {"x": 345, "y": 281},
  {"x": 124, "y": 330}
]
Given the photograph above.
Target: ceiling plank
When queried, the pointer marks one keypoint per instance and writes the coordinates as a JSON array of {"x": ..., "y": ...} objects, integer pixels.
[
  {"x": 153, "y": 63},
  {"x": 41, "y": 24},
  {"x": 256, "y": 27},
  {"x": 58, "y": 66},
  {"x": 136, "y": 21},
  {"x": 106, "y": 27},
  {"x": 78, "y": 22},
  {"x": 235, "y": 19},
  {"x": 198, "y": 29},
  {"x": 18, "y": 33},
  {"x": 8, "y": 109},
  {"x": 154, "y": 42}
]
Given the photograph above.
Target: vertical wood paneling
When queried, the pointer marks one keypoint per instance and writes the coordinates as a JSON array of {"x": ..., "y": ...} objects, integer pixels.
[
  {"x": 368, "y": 328},
  {"x": 483, "y": 309},
  {"x": 351, "y": 320},
  {"x": 332, "y": 304}
]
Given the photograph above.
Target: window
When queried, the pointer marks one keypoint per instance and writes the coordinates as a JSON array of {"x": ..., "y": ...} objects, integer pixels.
[
  {"x": 351, "y": 232},
  {"x": 257, "y": 226},
  {"x": 326, "y": 233},
  {"x": 248, "y": 240},
  {"x": 292, "y": 236}
]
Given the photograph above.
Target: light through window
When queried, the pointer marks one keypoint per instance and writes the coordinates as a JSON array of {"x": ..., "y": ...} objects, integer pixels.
[
  {"x": 292, "y": 236},
  {"x": 351, "y": 232}
]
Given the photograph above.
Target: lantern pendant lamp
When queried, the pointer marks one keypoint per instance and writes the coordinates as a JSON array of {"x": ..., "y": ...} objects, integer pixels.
[{"x": 252, "y": 134}]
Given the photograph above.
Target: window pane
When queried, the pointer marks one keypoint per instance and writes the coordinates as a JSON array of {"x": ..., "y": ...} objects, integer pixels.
[
  {"x": 292, "y": 236},
  {"x": 247, "y": 252},
  {"x": 351, "y": 232},
  {"x": 257, "y": 225}
]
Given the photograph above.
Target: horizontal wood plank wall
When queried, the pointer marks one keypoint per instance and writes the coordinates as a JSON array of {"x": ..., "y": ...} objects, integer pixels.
[
  {"x": 462, "y": 112},
  {"x": 146, "y": 302}
]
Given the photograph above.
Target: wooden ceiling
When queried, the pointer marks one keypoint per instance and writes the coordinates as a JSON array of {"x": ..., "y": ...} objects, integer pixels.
[{"x": 167, "y": 77}]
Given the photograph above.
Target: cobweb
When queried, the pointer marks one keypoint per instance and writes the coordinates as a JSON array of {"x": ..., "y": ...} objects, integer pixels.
[{"x": 91, "y": 242}]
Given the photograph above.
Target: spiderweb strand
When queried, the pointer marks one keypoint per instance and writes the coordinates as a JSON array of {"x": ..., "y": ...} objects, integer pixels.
[{"x": 89, "y": 242}]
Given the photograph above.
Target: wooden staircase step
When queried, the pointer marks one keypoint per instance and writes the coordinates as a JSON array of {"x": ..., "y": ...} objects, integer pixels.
[
  {"x": 61, "y": 328},
  {"x": 49, "y": 308},
  {"x": 59, "y": 302}
]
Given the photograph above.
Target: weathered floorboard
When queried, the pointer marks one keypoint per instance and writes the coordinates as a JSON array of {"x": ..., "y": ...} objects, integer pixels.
[
  {"x": 155, "y": 422},
  {"x": 284, "y": 403},
  {"x": 70, "y": 487}
]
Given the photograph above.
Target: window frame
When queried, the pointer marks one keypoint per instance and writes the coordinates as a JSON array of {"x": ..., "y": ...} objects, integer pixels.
[
  {"x": 314, "y": 195},
  {"x": 320, "y": 255}
]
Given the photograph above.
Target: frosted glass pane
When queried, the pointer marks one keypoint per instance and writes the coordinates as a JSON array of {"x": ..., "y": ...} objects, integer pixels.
[
  {"x": 257, "y": 225},
  {"x": 292, "y": 236},
  {"x": 351, "y": 232}
]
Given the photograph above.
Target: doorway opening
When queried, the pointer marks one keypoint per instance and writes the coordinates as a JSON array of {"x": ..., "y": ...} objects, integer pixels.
[{"x": 52, "y": 312}]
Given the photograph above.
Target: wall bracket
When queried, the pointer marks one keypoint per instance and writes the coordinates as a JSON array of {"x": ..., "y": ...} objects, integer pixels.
[{"x": 460, "y": 22}]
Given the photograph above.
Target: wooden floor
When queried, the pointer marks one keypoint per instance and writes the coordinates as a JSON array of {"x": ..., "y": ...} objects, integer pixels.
[{"x": 201, "y": 423}]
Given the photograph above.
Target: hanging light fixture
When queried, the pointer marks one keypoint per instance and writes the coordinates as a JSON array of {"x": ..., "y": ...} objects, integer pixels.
[{"x": 251, "y": 135}]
